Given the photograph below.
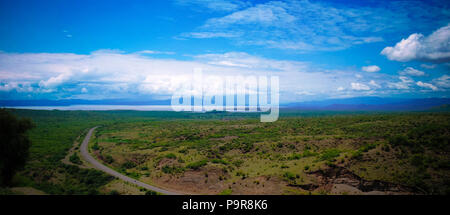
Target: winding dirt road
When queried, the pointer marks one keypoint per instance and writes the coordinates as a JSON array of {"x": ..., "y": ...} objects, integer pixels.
[{"x": 100, "y": 166}]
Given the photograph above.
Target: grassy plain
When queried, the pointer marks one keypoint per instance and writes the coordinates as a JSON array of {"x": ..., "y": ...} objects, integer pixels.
[
  {"x": 384, "y": 153},
  {"x": 229, "y": 153}
]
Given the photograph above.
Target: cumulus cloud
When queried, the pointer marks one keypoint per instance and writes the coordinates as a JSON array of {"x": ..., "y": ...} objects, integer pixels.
[
  {"x": 426, "y": 85},
  {"x": 428, "y": 66},
  {"x": 404, "y": 84},
  {"x": 116, "y": 74},
  {"x": 411, "y": 72},
  {"x": 374, "y": 84},
  {"x": 434, "y": 48},
  {"x": 443, "y": 81},
  {"x": 154, "y": 52},
  {"x": 359, "y": 86},
  {"x": 373, "y": 68}
]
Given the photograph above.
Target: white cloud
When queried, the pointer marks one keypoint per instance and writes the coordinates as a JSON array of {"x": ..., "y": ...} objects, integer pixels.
[
  {"x": 154, "y": 52},
  {"x": 297, "y": 25},
  {"x": 115, "y": 74},
  {"x": 244, "y": 60},
  {"x": 435, "y": 47},
  {"x": 18, "y": 86},
  {"x": 404, "y": 84},
  {"x": 374, "y": 84},
  {"x": 443, "y": 81},
  {"x": 360, "y": 86},
  {"x": 315, "y": 25},
  {"x": 411, "y": 72},
  {"x": 428, "y": 66},
  {"x": 373, "y": 68},
  {"x": 216, "y": 5},
  {"x": 202, "y": 35},
  {"x": 55, "y": 81},
  {"x": 426, "y": 85}
]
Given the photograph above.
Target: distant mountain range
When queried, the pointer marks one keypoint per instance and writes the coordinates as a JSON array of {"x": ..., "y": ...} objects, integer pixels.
[
  {"x": 67, "y": 102},
  {"x": 373, "y": 104},
  {"x": 347, "y": 104}
]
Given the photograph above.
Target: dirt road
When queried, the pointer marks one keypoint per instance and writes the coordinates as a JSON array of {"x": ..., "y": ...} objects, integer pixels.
[{"x": 100, "y": 166}]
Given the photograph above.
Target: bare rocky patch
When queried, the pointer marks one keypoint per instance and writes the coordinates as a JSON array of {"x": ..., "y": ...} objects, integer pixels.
[{"x": 339, "y": 180}]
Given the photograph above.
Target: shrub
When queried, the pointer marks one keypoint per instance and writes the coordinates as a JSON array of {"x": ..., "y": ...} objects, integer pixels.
[
  {"x": 108, "y": 159},
  {"x": 171, "y": 156},
  {"x": 114, "y": 192},
  {"x": 226, "y": 192},
  {"x": 308, "y": 153},
  {"x": 289, "y": 176},
  {"x": 417, "y": 160},
  {"x": 151, "y": 193},
  {"x": 95, "y": 147},
  {"x": 172, "y": 169},
  {"x": 357, "y": 155},
  {"x": 74, "y": 158},
  {"x": 329, "y": 154},
  {"x": 238, "y": 163},
  {"x": 295, "y": 156},
  {"x": 128, "y": 165},
  {"x": 368, "y": 147},
  {"x": 219, "y": 161},
  {"x": 197, "y": 165},
  {"x": 398, "y": 140}
]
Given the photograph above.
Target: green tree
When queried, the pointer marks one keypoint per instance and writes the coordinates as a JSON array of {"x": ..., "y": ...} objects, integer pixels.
[{"x": 14, "y": 145}]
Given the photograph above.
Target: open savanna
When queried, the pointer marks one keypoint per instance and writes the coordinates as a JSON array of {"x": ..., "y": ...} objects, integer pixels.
[{"x": 301, "y": 153}]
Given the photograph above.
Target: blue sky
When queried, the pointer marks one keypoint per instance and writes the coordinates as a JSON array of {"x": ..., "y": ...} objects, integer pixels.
[{"x": 133, "y": 49}]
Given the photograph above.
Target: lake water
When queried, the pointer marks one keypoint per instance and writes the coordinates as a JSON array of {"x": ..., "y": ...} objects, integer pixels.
[
  {"x": 99, "y": 107},
  {"x": 102, "y": 107}
]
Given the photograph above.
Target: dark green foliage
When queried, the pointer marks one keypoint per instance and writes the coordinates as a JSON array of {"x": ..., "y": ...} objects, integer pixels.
[
  {"x": 172, "y": 169},
  {"x": 197, "y": 165},
  {"x": 289, "y": 176},
  {"x": 108, "y": 159},
  {"x": 76, "y": 181},
  {"x": 219, "y": 161},
  {"x": 114, "y": 193},
  {"x": 308, "y": 153},
  {"x": 399, "y": 140},
  {"x": 171, "y": 156},
  {"x": 151, "y": 193},
  {"x": 74, "y": 158},
  {"x": 128, "y": 165},
  {"x": 14, "y": 145},
  {"x": 329, "y": 154},
  {"x": 95, "y": 147}
]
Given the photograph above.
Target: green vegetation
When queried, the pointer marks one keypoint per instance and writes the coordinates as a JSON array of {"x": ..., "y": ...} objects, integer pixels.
[
  {"x": 196, "y": 165},
  {"x": 383, "y": 147},
  {"x": 74, "y": 158},
  {"x": 14, "y": 145},
  {"x": 226, "y": 192},
  {"x": 230, "y": 152}
]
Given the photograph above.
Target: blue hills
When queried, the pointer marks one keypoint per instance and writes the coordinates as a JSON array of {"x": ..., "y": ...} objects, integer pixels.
[{"x": 345, "y": 104}]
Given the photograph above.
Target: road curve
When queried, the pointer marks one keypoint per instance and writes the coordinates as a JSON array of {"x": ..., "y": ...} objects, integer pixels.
[{"x": 100, "y": 166}]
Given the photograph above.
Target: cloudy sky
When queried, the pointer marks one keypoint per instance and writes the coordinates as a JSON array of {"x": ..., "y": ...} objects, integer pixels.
[{"x": 138, "y": 49}]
